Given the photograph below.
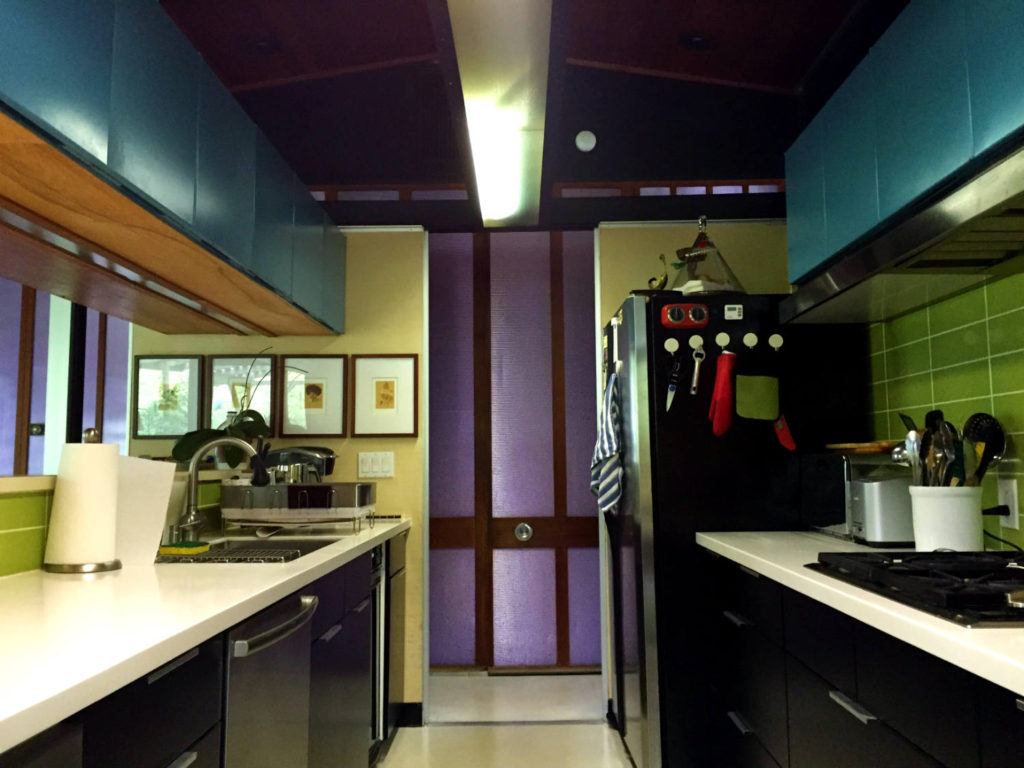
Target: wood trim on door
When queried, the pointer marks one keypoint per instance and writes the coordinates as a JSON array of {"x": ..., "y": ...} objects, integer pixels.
[
  {"x": 558, "y": 442},
  {"x": 23, "y": 407},
  {"x": 482, "y": 448},
  {"x": 101, "y": 371}
]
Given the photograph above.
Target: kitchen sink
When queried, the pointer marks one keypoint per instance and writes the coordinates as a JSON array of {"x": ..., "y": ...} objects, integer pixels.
[{"x": 251, "y": 551}]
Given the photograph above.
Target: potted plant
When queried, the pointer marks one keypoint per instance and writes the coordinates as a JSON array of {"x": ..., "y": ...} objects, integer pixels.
[{"x": 246, "y": 423}]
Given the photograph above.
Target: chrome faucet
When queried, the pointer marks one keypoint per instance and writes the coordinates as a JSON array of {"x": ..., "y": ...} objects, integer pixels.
[{"x": 190, "y": 519}]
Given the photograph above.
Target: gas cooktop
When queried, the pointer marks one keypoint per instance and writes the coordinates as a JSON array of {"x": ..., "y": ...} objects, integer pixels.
[{"x": 974, "y": 589}]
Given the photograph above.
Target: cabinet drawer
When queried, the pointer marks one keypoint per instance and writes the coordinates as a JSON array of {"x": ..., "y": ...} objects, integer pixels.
[
  {"x": 822, "y": 638},
  {"x": 330, "y": 590},
  {"x": 926, "y": 699},
  {"x": 753, "y": 599},
  {"x": 59, "y": 746},
  {"x": 149, "y": 723},
  {"x": 826, "y": 729},
  {"x": 357, "y": 581},
  {"x": 205, "y": 753},
  {"x": 757, "y": 690},
  {"x": 733, "y": 742},
  {"x": 1001, "y": 715}
]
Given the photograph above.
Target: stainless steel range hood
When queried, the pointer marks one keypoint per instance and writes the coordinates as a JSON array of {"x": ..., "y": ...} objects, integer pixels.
[{"x": 969, "y": 236}]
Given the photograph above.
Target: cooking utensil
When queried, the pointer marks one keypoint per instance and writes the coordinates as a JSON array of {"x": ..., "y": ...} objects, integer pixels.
[
  {"x": 950, "y": 440},
  {"x": 989, "y": 439},
  {"x": 913, "y": 449},
  {"x": 908, "y": 422},
  {"x": 900, "y": 455},
  {"x": 924, "y": 453}
]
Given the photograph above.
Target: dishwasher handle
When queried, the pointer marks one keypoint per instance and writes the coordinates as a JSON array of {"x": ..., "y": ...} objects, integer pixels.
[{"x": 264, "y": 640}]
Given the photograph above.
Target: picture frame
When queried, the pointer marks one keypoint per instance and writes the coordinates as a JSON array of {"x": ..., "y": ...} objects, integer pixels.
[
  {"x": 385, "y": 396},
  {"x": 166, "y": 395},
  {"x": 313, "y": 395},
  {"x": 239, "y": 382}
]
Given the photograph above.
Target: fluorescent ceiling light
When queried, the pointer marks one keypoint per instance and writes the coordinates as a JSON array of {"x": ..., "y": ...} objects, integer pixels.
[{"x": 502, "y": 52}]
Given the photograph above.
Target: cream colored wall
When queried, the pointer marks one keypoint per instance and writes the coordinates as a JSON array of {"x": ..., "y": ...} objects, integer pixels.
[
  {"x": 754, "y": 250},
  {"x": 383, "y": 314}
]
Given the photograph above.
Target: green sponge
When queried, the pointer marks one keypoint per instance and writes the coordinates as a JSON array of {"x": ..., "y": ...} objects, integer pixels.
[{"x": 184, "y": 548}]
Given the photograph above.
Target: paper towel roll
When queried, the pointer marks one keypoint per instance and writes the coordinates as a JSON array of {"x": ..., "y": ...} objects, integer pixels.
[{"x": 83, "y": 522}]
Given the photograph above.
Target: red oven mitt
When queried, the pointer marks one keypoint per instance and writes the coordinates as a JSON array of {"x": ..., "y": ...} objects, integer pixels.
[{"x": 722, "y": 397}]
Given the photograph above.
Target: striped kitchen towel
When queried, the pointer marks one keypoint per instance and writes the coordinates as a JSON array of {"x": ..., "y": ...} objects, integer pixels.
[{"x": 606, "y": 466}]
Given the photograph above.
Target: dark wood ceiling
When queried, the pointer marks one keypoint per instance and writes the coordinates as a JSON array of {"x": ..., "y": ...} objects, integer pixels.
[{"x": 365, "y": 93}]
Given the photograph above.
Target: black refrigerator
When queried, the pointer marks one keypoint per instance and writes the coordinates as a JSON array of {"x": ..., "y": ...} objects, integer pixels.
[{"x": 712, "y": 452}]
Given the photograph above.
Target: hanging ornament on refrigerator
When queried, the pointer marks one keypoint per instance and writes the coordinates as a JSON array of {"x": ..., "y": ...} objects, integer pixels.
[{"x": 705, "y": 268}]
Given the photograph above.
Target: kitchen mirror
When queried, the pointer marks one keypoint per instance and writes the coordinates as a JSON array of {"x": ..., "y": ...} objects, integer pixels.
[
  {"x": 166, "y": 395},
  {"x": 238, "y": 383}
]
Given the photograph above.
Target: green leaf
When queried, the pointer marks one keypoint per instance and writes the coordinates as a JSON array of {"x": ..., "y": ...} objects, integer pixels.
[
  {"x": 191, "y": 442},
  {"x": 251, "y": 424}
]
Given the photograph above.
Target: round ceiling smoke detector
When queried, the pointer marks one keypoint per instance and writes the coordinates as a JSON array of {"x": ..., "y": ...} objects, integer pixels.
[{"x": 585, "y": 141}]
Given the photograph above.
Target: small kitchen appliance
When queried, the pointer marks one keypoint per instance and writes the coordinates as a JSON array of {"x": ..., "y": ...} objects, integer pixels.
[
  {"x": 974, "y": 589},
  {"x": 864, "y": 497}
]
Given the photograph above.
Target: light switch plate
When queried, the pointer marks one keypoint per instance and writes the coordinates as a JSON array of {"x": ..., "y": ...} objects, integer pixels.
[
  {"x": 377, "y": 464},
  {"x": 1008, "y": 495}
]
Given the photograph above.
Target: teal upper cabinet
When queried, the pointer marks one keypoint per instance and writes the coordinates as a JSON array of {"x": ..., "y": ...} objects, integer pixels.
[
  {"x": 923, "y": 101},
  {"x": 805, "y": 201},
  {"x": 308, "y": 265},
  {"x": 851, "y": 173},
  {"x": 995, "y": 66},
  {"x": 153, "y": 129},
  {"x": 275, "y": 218},
  {"x": 55, "y": 68},
  {"x": 334, "y": 279},
  {"x": 225, "y": 172}
]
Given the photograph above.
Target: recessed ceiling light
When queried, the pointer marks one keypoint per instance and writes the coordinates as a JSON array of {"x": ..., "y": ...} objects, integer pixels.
[
  {"x": 585, "y": 141},
  {"x": 695, "y": 41}
]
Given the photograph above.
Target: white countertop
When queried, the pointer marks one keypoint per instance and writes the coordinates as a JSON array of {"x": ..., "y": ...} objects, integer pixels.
[
  {"x": 68, "y": 640},
  {"x": 996, "y": 653}
]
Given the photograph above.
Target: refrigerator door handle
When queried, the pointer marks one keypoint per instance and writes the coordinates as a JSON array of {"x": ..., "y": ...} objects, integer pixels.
[{"x": 615, "y": 345}]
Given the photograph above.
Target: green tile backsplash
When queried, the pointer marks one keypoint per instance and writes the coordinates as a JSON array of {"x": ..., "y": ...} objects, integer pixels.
[
  {"x": 963, "y": 355},
  {"x": 23, "y": 519}
]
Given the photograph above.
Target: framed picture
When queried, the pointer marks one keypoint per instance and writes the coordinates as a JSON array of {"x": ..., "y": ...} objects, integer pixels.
[
  {"x": 385, "y": 396},
  {"x": 237, "y": 383},
  {"x": 313, "y": 395},
  {"x": 166, "y": 395}
]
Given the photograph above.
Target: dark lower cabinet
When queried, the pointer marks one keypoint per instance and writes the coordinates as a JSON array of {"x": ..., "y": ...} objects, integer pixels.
[
  {"x": 927, "y": 699},
  {"x": 733, "y": 741},
  {"x": 151, "y": 722},
  {"x": 1001, "y": 719},
  {"x": 341, "y": 687},
  {"x": 830, "y": 728},
  {"x": 57, "y": 747},
  {"x": 205, "y": 753}
]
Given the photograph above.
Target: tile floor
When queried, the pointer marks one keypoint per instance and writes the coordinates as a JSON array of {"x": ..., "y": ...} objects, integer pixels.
[
  {"x": 475, "y": 697},
  {"x": 481, "y": 721},
  {"x": 555, "y": 745}
]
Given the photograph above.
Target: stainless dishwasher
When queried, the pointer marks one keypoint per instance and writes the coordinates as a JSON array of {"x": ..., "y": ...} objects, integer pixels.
[{"x": 266, "y": 721}]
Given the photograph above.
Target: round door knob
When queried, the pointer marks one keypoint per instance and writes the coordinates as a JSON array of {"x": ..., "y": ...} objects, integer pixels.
[{"x": 524, "y": 531}]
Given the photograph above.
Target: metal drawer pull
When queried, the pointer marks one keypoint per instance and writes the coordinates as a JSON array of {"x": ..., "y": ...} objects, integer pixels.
[
  {"x": 327, "y": 636},
  {"x": 736, "y": 620},
  {"x": 851, "y": 706},
  {"x": 185, "y": 760},
  {"x": 362, "y": 606},
  {"x": 750, "y": 572},
  {"x": 266, "y": 639},
  {"x": 171, "y": 665},
  {"x": 1020, "y": 704},
  {"x": 740, "y": 723}
]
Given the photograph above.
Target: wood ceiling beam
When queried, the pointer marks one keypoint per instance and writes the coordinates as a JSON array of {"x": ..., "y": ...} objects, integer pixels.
[
  {"x": 685, "y": 76},
  {"x": 330, "y": 73}
]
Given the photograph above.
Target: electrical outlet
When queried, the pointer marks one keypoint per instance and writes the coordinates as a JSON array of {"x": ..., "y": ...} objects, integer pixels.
[{"x": 1008, "y": 495}]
